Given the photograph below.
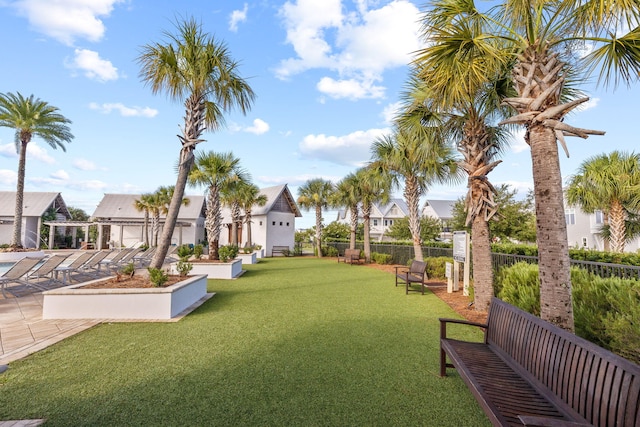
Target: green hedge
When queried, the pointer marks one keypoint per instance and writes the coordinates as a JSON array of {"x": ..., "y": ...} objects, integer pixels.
[{"x": 606, "y": 310}]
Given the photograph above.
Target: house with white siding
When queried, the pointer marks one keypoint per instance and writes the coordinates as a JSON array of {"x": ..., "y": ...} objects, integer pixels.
[
  {"x": 583, "y": 230},
  {"x": 381, "y": 218},
  {"x": 35, "y": 205},
  {"x": 273, "y": 224},
  {"x": 120, "y": 224},
  {"x": 441, "y": 210}
]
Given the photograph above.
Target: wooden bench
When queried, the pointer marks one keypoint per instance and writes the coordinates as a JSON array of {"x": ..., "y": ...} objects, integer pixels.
[
  {"x": 351, "y": 256},
  {"x": 280, "y": 250},
  {"x": 415, "y": 273},
  {"x": 530, "y": 372}
]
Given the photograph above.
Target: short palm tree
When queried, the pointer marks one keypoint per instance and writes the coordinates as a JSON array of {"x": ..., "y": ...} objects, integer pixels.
[
  {"x": 539, "y": 40},
  {"x": 316, "y": 194},
  {"x": 416, "y": 160},
  {"x": 30, "y": 117},
  {"x": 232, "y": 197},
  {"x": 249, "y": 197},
  {"x": 346, "y": 194},
  {"x": 374, "y": 187},
  {"x": 608, "y": 182},
  {"x": 198, "y": 70},
  {"x": 215, "y": 171},
  {"x": 143, "y": 204}
]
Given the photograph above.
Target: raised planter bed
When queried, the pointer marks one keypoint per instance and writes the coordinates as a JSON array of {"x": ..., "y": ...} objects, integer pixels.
[
  {"x": 73, "y": 302},
  {"x": 251, "y": 258},
  {"x": 216, "y": 269}
]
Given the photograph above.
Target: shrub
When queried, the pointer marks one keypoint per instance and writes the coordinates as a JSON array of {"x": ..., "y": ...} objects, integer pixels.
[
  {"x": 519, "y": 285},
  {"x": 329, "y": 251},
  {"x": 128, "y": 270},
  {"x": 198, "y": 250},
  {"x": 436, "y": 267},
  {"x": 227, "y": 252},
  {"x": 379, "y": 258},
  {"x": 184, "y": 252},
  {"x": 157, "y": 276},
  {"x": 183, "y": 267}
]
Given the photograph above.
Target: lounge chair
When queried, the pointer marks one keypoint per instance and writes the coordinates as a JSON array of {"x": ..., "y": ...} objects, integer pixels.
[
  {"x": 44, "y": 274},
  {"x": 126, "y": 258},
  {"x": 92, "y": 267},
  {"x": 144, "y": 258},
  {"x": 17, "y": 272}
]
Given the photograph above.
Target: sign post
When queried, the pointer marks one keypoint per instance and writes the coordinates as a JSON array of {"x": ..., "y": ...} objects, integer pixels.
[{"x": 461, "y": 246}]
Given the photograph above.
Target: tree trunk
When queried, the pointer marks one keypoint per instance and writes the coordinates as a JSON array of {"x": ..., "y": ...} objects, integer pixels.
[
  {"x": 186, "y": 161},
  {"x": 319, "y": 230},
  {"x": 366, "y": 214},
  {"x": 354, "y": 226},
  {"x": 617, "y": 226},
  {"x": 146, "y": 227},
  {"x": 248, "y": 222},
  {"x": 16, "y": 240},
  {"x": 411, "y": 195},
  {"x": 482, "y": 265},
  {"x": 553, "y": 255},
  {"x": 213, "y": 222},
  {"x": 235, "y": 218}
]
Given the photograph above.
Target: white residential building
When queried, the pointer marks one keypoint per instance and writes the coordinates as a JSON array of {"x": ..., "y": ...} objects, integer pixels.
[
  {"x": 273, "y": 224},
  {"x": 382, "y": 217},
  {"x": 583, "y": 230},
  {"x": 35, "y": 204}
]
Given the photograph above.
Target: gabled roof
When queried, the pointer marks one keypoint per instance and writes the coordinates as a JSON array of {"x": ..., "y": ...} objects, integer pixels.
[
  {"x": 122, "y": 207},
  {"x": 35, "y": 203},
  {"x": 402, "y": 205},
  {"x": 442, "y": 208},
  {"x": 279, "y": 198}
]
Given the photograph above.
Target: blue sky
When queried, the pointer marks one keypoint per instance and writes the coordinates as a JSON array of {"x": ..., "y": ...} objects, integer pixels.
[{"x": 327, "y": 74}]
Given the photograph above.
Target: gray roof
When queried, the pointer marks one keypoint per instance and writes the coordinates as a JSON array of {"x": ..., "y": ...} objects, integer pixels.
[
  {"x": 442, "y": 208},
  {"x": 278, "y": 198},
  {"x": 35, "y": 203},
  {"x": 384, "y": 209},
  {"x": 122, "y": 207}
]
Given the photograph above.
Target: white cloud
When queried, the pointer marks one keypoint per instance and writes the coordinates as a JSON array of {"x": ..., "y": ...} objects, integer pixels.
[
  {"x": 358, "y": 46},
  {"x": 391, "y": 112},
  {"x": 124, "y": 110},
  {"x": 93, "y": 67},
  {"x": 86, "y": 165},
  {"x": 34, "y": 151},
  {"x": 60, "y": 174},
  {"x": 591, "y": 103},
  {"x": 517, "y": 143},
  {"x": 295, "y": 180},
  {"x": 351, "y": 150},
  {"x": 259, "y": 127},
  {"x": 8, "y": 177},
  {"x": 236, "y": 17},
  {"x": 67, "y": 20}
]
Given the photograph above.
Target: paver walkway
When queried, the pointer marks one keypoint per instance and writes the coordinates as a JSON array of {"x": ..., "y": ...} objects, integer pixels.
[{"x": 23, "y": 331}]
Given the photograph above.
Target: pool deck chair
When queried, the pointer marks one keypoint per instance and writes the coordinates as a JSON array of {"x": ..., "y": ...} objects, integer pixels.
[
  {"x": 44, "y": 274},
  {"x": 73, "y": 267},
  {"x": 17, "y": 273}
]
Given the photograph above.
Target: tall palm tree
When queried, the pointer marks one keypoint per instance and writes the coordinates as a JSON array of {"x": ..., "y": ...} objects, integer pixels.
[
  {"x": 416, "y": 162},
  {"x": 608, "y": 182},
  {"x": 232, "y": 197},
  {"x": 215, "y": 171},
  {"x": 347, "y": 194},
  {"x": 374, "y": 187},
  {"x": 30, "y": 117},
  {"x": 143, "y": 204},
  {"x": 196, "y": 69},
  {"x": 316, "y": 194},
  {"x": 249, "y": 197},
  {"x": 540, "y": 40}
]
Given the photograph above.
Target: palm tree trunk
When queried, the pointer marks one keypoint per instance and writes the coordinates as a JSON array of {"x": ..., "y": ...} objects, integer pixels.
[
  {"x": 482, "y": 266},
  {"x": 354, "y": 226},
  {"x": 248, "y": 222},
  {"x": 146, "y": 227},
  {"x": 555, "y": 274},
  {"x": 366, "y": 214},
  {"x": 319, "y": 230},
  {"x": 411, "y": 195},
  {"x": 235, "y": 218},
  {"x": 213, "y": 222},
  {"x": 617, "y": 226},
  {"x": 16, "y": 240},
  {"x": 186, "y": 161}
]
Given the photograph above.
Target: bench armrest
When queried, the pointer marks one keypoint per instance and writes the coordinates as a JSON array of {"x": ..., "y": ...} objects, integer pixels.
[
  {"x": 531, "y": 420},
  {"x": 401, "y": 269},
  {"x": 444, "y": 321}
]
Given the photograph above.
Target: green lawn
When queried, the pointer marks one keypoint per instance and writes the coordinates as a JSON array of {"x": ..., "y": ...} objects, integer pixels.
[{"x": 294, "y": 341}]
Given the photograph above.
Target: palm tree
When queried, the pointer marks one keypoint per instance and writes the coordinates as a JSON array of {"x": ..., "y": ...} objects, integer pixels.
[
  {"x": 539, "y": 39},
  {"x": 417, "y": 162},
  {"x": 316, "y": 194},
  {"x": 347, "y": 194},
  {"x": 232, "y": 197},
  {"x": 374, "y": 187},
  {"x": 465, "y": 117},
  {"x": 215, "y": 171},
  {"x": 249, "y": 197},
  {"x": 30, "y": 117},
  {"x": 198, "y": 70},
  {"x": 159, "y": 205},
  {"x": 608, "y": 182},
  {"x": 143, "y": 204}
]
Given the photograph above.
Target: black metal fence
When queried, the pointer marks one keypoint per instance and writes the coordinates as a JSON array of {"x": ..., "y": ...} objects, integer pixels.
[{"x": 401, "y": 254}]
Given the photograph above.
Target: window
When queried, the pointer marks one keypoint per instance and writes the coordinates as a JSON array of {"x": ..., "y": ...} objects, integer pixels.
[
  {"x": 287, "y": 224},
  {"x": 260, "y": 222},
  {"x": 280, "y": 223},
  {"x": 599, "y": 217},
  {"x": 386, "y": 222},
  {"x": 375, "y": 222},
  {"x": 273, "y": 223},
  {"x": 570, "y": 216}
]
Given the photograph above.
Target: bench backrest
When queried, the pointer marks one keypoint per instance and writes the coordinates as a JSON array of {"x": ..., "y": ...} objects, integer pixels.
[
  {"x": 352, "y": 253},
  {"x": 602, "y": 387},
  {"x": 417, "y": 267}
]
